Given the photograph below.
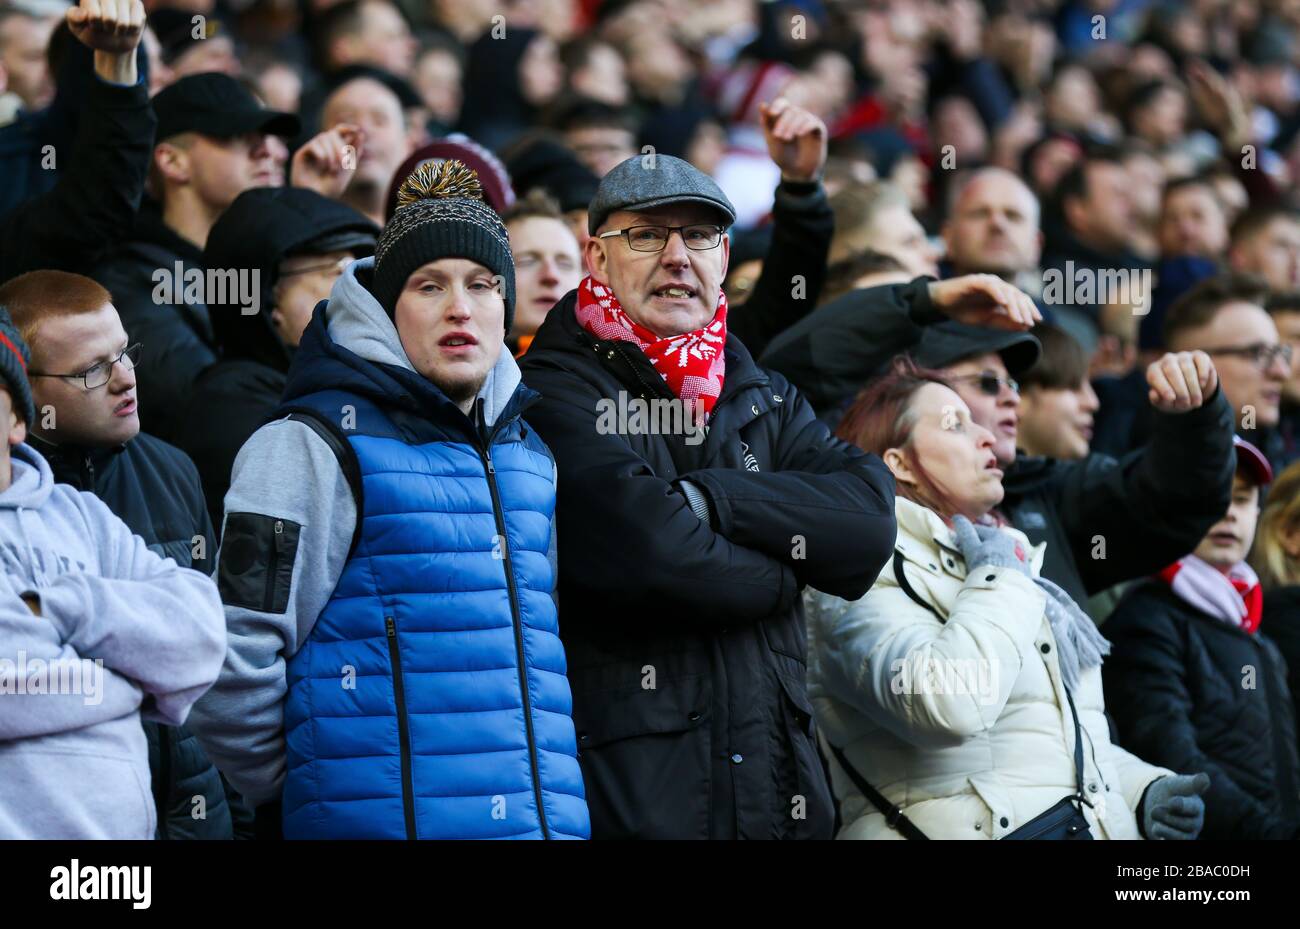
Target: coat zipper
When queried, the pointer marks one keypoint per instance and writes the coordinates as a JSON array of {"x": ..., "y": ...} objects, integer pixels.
[
  {"x": 403, "y": 727},
  {"x": 272, "y": 566},
  {"x": 485, "y": 451},
  {"x": 1281, "y": 779}
]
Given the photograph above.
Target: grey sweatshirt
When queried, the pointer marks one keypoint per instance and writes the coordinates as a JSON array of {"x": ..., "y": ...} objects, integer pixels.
[
  {"x": 73, "y": 758},
  {"x": 285, "y": 471}
]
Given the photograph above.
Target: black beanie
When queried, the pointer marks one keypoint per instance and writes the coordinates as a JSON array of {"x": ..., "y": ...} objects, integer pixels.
[
  {"x": 14, "y": 359},
  {"x": 441, "y": 214}
]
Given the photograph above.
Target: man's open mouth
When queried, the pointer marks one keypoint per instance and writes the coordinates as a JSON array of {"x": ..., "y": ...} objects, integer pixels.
[{"x": 676, "y": 292}]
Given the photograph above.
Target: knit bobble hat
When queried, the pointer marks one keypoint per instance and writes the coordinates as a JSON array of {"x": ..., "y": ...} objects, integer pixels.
[
  {"x": 14, "y": 359},
  {"x": 441, "y": 214}
]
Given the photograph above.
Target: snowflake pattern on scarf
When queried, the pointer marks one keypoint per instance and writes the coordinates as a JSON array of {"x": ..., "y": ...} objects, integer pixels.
[{"x": 693, "y": 364}]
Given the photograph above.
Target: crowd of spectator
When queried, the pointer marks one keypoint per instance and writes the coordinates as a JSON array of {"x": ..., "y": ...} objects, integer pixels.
[{"x": 981, "y": 513}]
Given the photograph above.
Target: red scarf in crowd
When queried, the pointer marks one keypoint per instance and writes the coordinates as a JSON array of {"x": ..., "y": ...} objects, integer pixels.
[
  {"x": 692, "y": 364},
  {"x": 1235, "y": 597}
]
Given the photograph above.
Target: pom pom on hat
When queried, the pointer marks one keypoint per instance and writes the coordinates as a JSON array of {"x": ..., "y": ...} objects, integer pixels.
[{"x": 441, "y": 213}]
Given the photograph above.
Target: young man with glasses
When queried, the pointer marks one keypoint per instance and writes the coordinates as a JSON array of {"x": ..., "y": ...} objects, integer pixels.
[
  {"x": 1224, "y": 317},
  {"x": 684, "y": 550},
  {"x": 297, "y": 243},
  {"x": 87, "y": 426}
]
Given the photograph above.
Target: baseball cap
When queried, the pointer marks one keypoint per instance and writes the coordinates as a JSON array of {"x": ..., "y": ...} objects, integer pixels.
[
  {"x": 644, "y": 182},
  {"x": 949, "y": 342},
  {"x": 1252, "y": 460},
  {"x": 216, "y": 105}
]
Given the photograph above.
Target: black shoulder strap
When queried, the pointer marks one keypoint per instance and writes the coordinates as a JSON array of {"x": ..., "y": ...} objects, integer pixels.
[
  {"x": 872, "y": 794},
  {"x": 343, "y": 451},
  {"x": 1078, "y": 747},
  {"x": 893, "y": 815},
  {"x": 908, "y": 589}
]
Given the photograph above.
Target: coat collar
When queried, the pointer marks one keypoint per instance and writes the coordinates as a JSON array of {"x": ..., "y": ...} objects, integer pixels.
[{"x": 924, "y": 538}]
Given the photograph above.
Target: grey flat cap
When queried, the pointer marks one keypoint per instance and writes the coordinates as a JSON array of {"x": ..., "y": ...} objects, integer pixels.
[{"x": 644, "y": 182}]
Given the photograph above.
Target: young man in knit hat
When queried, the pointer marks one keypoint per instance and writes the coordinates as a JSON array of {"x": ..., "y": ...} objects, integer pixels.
[
  {"x": 394, "y": 668},
  {"x": 97, "y": 632},
  {"x": 685, "y": 546}
]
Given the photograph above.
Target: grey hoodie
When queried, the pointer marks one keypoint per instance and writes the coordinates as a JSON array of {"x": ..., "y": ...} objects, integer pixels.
[
  {"x": 286, "y": 471},
  {"x": 122, "y": 633}
]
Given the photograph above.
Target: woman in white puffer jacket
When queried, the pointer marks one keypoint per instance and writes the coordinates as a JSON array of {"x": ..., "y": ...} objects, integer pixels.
[{"x": 945, "y": 685}]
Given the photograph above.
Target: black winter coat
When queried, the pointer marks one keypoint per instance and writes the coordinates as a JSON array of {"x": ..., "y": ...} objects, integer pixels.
[
  {"x": 1192, "y": 693},
  {"x": 1104, "y": 520},
  {"x": 685, "y": 639},
  {"x": 154, "y": 489},
  {"x": 100, "y": 184},
  {"x": 802, "y": 227},
  {"x": 231, "y": 400},
  {"x": 1281, "y": 623},
  {"x": 177, "y": 337}
]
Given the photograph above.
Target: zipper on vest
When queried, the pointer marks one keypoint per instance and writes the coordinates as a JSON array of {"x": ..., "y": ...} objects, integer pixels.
[
  {"x": 516, "y": 620},
  {"x": 403, "y": 728}
]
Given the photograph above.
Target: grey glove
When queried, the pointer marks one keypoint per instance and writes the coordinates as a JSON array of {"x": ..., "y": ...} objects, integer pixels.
[
  {"x": 982, "y": 546},
  {"x": 1172, "y": 807}
]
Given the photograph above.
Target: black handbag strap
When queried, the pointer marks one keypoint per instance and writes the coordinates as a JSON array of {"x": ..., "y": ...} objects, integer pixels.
[
  {"x": 1078, "y": 747},
  {"x": 894, "y": 816},
  {"x": 903, "y": 582}
]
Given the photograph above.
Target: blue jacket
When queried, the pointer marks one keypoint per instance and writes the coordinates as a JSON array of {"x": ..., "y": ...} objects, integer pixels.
[{"x": 430, "y": 699}]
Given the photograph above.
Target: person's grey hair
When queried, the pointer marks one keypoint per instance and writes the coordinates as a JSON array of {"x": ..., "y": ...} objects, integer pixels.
[
  {"x": 959, "y": 189},
  {"x": 857, "y": 205}
]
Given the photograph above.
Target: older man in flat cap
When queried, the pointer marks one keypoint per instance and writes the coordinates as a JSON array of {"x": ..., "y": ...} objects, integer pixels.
[{"x": 698, "y": 496}]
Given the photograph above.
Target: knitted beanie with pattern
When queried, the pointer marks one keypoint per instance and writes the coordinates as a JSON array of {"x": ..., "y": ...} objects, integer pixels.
[{"x": 441, "y": 214}]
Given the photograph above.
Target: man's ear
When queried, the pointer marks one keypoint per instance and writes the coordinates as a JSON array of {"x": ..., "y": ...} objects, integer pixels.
[
  {"x": 1073, "y": 210},
  {"x": 173, "y": 162},
  {"x": 726, "y": 255},
  {"x": 596, "y": 259},
  {"x": 17, "y": 429}
]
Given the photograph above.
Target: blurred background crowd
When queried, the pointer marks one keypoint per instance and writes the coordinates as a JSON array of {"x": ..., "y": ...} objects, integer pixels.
[{"x": 1130, "y": 165}]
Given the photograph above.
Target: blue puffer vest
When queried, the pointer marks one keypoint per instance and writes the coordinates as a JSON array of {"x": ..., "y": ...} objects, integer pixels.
[{"x": 430, "y": 699}]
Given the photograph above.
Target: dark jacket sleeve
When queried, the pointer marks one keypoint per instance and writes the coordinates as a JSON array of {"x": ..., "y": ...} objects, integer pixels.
[
  {"x": 628, "y": 536},
  {"x": 832, "y": 352},
  {"x": 1155, "y": 504},
  {"x": 1145, "y": 679},
  {"x": 794, "y": 269},
  {"x": 98, "y": 192},
  {"x": 827, "y": 511}
]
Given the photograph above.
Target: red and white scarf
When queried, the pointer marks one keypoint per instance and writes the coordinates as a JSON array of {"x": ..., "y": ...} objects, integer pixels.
[
  {"x": 1235, "y": 597},
  {"x": 693, "y": 364}
]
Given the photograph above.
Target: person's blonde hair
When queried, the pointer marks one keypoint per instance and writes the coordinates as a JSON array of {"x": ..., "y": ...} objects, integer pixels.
[{"x": 1281, "y": 514}]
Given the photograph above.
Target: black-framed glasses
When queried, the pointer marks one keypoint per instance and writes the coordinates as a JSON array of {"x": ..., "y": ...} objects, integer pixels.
[
  {"x": 97, "y": 375},
  {"x": 1261, "y": 354},
  {"x": 990, "y": 382},
  {"x": 698, "y": 236}
]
